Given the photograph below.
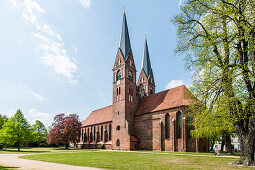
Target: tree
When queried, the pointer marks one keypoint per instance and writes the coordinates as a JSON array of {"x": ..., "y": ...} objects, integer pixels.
[
  {"x": 3, "y": 120},
  {"x": 212, "y": 125},
  {"x": 65, "y": 129},
  {"x": 218, "y": 38},
  {"x": 16, "y": 130},
  {"x": 39, "y": 133}
]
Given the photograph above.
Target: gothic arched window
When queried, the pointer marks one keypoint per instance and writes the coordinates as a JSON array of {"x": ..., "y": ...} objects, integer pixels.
[
  {"x": 179, "y": 124},
  {"x": 130, "y": 76},
  {"x": 118, "y": 142},
  {"x": 102, "y": 132},
  {"x": 82, "y": 134},
  {"x": 88, "y": 135},
  {"x": 142, "y": 80},
  {"x": 167, "y": 126},
  {"x": 130, "y": 63},
  {"x": 110, "y": 132},
  {"x": 94, "y": 133},
  {"x": 119, "y": 62},
  {"x": 151, "y": 91},
  {"x": 118, "y": 75}
]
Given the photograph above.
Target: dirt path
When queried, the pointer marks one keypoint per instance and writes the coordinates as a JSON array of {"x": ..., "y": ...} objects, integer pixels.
[{"x": 13, "y": 160}]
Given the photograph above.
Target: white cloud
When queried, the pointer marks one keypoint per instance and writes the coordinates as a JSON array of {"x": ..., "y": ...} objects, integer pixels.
[
  {"x": 85, "y": 3},
  {"x": 14, "y": 3},
  {"x": 74, "y": 48},
  {"x": 31, "y": 92},
  {"x": 174, "y": 83},
  {"x": 34, "y": 114},
  {"x": 10, "y": 113},
  {"x": 54, "y": 53},
  {"x": 180, "y": 3},
  {"x": 31, "y": 6}
]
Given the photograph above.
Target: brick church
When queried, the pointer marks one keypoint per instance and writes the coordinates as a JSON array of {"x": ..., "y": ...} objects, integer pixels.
[{"x": 139, "y": 118}]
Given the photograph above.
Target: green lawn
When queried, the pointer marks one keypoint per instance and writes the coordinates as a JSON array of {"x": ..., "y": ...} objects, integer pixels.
[
  {"x": 4, "y": 167},
  {"x": 138, "y": 160},
  {"x": 29, "y": 150}
]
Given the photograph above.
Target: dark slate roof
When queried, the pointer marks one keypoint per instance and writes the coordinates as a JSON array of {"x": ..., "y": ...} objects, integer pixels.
[
  {"x": 146, "y": 64},
  {"x": 124, "y": 45}
]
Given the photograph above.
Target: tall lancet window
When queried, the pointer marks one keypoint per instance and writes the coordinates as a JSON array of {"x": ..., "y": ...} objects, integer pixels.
[
  {"x": 119, "y": 62},
  {"x": 130, "y": 76},
  {"x": 179, "y": 124},
  {"x": 130, "y": 94},
  {"x": 118, "y": 75},
  {"x": 167, "y": 126},
  {"x": 118, "y": 94}
]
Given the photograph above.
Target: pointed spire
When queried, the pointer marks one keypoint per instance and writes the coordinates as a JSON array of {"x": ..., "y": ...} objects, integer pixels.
[
  {"x": 124, "y": 45},
  {"x": 146, "y": 64}
]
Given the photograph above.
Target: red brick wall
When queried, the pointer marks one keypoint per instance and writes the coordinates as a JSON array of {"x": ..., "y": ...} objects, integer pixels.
[
  {"x": 124, "y": 109},
  {"x": 97, "y": 142},
  {"x": 151, "y": 132},
  {"x": 146, "y": 84}
]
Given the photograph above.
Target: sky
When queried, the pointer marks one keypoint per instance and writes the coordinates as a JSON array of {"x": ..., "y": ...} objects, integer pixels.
[{"x": 57, "y": 56}]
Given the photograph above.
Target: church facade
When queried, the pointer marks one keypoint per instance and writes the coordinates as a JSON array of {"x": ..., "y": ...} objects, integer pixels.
[{"x": 139, "y": 118}]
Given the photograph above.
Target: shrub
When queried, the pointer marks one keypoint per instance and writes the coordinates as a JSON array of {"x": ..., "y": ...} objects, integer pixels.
[{"x": 101, "y": 146}]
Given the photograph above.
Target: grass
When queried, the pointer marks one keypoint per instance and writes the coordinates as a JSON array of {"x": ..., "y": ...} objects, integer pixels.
[
  {"x": 139, "y": 160},
  {"x": 29, "y": 150},
  {"x": 4, "y": 167}
]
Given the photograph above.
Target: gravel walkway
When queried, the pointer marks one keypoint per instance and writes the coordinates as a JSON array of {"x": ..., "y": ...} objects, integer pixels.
[{"x": 13, "y": 160}]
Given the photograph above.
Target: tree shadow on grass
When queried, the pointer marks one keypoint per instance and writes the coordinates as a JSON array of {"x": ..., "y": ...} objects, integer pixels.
[
  {"x": 21, "y": 151},
  {"x": 4, "y": 167}
]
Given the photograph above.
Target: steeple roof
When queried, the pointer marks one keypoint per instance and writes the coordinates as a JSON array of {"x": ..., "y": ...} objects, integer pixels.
[
  {"x": 146, "y": 64},
  {"x": 124, "y": 45}
]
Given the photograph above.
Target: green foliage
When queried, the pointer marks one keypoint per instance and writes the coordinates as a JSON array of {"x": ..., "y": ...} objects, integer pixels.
[
  {"x": 101, "y": 146},
  {"x": 217, "y": 38},
  {"x": 15, "y": 130},
  {"x": 3, "y": 120},
  {"x": 39, "y": 133}
]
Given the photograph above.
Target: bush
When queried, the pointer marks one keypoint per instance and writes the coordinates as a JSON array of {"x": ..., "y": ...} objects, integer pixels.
[{"x": 101, "y": 146}]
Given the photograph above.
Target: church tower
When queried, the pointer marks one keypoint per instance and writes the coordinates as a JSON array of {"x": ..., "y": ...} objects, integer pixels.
[
  {"x": 146, "y": 84},
  {"x": 125, "y": 100}
]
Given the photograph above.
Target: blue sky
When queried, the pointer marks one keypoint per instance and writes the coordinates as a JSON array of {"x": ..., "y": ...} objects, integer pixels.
[{"x": 57, "y": 56}]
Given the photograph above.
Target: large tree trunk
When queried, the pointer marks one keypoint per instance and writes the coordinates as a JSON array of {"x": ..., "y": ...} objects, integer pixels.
[
  {"x": 212, "y": 144},
  {"x": 247, "y": 144},
  {"x": 228, "y": 144},
  {"x": 222, "y": 144}
]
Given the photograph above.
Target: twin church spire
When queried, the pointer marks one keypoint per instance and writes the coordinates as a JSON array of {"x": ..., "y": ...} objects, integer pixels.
[
  {"x": 145, "y": 84},
  {"x": 124, "y": 45},
  {"x": 146, "y": 64},
  {"x": 126, "y": 91}
]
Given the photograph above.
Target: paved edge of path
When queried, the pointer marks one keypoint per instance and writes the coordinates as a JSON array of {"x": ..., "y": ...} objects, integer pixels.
[{"x": 13, "y": 161}]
